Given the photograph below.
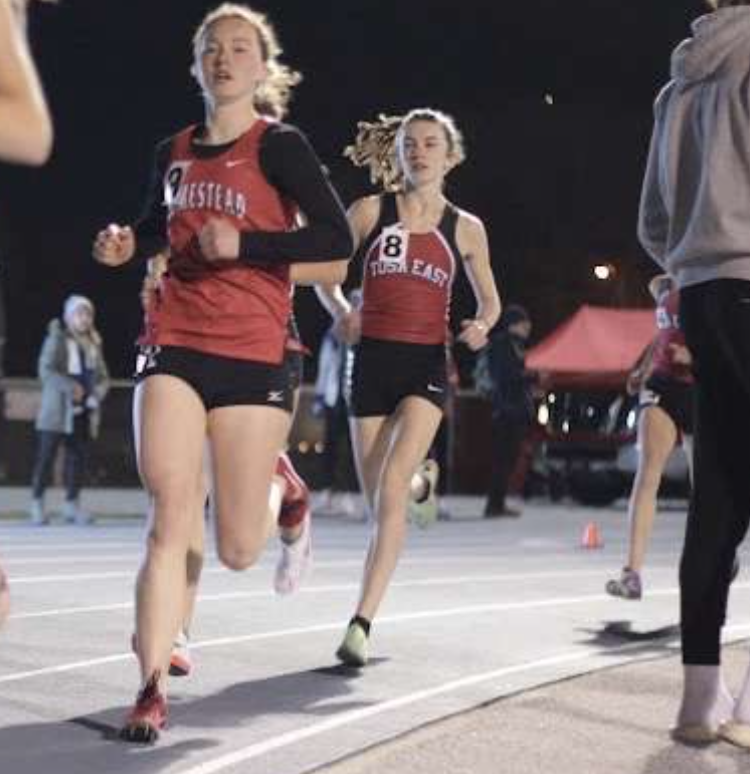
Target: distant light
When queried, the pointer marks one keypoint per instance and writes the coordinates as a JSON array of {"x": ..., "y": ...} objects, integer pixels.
[
  {"x": 549, "y": 99},
  {"x": 319, "y": 447},
  {"x": 566, "y": 426},
  {"x": 303, "y": 447},
  {"x": 631, "y": 420},
  {"x": 542, "y": 415},
  {"x": 551, "y": 398},
  {"x": 604, "y": 271}
]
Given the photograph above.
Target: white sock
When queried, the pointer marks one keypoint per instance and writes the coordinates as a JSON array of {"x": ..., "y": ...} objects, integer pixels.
[{"x": 706, "y": 701}]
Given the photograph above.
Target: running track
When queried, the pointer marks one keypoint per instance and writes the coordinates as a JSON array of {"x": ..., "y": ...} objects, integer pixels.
[{"x": 478, "y": 610}]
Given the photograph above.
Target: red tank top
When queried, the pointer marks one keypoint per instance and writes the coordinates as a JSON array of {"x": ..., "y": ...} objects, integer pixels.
[
  {"x": 231, "y": 309},
  {"x": 669, "y": 335},
  {"x": 408, "y": 277}
]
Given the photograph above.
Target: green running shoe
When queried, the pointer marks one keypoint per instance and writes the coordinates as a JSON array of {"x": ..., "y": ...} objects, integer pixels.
[
  {"x": 353, "y": 649},
  {"x": 425, "y": 512}
]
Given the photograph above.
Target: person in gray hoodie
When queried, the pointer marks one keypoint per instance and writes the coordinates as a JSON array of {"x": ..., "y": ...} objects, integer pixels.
[{"x": 695, "y": 222}]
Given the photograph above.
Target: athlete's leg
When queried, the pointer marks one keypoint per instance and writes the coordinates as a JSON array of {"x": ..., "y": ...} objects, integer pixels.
[
  {"x": 414, "y": 426},
  {"x": 371, "y": 439},
  {"x": 657, "y": 435},
  {"x": 170, "y": 428},
  {"x": 245, "y": 445}
]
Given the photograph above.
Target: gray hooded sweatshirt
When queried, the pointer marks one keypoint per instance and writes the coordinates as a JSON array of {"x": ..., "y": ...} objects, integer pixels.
[{"x": 694, "y": 217}]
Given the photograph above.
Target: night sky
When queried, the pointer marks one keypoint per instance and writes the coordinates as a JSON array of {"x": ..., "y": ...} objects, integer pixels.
[{"x": 557, "y": 185}]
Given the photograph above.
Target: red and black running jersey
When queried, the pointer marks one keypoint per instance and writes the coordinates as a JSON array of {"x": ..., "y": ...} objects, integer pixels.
[
  {"x": 408, "y": 277},
  {"x": 228, "y": 309},
  {"x": 257, "y": 182},
  {"x": 669, "y": 336}
]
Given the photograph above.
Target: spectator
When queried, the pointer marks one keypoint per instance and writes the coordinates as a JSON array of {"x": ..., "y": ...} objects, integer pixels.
[
  {"x": 510, "y": 391},
  {"x": 74, "y": 381}
]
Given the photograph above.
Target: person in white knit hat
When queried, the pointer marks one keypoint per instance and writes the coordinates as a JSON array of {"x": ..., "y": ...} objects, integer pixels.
[{"x": 74, "y": 381}]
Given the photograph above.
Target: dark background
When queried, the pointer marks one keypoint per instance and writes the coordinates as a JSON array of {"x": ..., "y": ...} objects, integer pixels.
[{"x": 557, "y": 185}]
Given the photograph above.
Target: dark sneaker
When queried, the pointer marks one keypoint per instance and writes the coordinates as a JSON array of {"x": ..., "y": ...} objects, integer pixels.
[{"x": 627, "y": 586}]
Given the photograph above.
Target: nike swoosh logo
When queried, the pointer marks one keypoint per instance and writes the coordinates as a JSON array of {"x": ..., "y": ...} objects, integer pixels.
[{"x": 236, "y": 162}]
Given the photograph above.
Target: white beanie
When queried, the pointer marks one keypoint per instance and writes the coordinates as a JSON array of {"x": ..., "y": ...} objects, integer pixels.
[{"x": 72, "y": 303}]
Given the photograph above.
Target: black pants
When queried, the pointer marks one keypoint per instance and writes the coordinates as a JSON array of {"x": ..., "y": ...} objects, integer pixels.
[
  {"x": 507, "y": 437},
  {"x": 716, "y": 320},
  {"x": 75, "y": 458}
]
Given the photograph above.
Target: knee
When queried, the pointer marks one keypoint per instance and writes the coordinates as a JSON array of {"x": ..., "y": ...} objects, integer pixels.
[{"x": 236, "y": 556}]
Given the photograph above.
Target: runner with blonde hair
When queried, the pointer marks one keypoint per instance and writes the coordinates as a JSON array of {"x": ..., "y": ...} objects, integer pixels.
[
  {"x": 412, "y": 241},
  {"x": 212, "y": 352}
]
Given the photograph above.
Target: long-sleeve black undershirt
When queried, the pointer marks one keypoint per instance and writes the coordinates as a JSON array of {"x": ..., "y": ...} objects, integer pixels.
[{"x": 291, "y": 166}]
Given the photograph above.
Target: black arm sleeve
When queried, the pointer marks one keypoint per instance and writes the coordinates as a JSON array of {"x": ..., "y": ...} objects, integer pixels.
[
  {"x": 151, "y": 227},
  {"x": 291, "y": 166}
]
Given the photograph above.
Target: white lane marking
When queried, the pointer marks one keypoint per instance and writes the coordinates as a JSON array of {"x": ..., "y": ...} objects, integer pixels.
[
  {"x": 9, "y": 561},
  {"x": 8, "y": 546},
  {"x": 329, "y": 564},
  {"x": 245, "y": 754},
  {"x": 327, "y": 589},
  {"x": 400, "y": 618}
]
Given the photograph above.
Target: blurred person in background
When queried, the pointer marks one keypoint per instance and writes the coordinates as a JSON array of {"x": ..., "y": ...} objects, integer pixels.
[{"x": 74, "y": 380}]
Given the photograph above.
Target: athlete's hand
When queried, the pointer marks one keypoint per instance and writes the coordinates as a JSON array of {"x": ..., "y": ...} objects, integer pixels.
[
  {"x": 219, "y": 241},
  {"x": 680, "y": 355},
  {"x": 348, "y": 327},
  {"x": 115, "y": 245},
  {"x": 157, "y": 268},
  {"x": 473, "y": 334}
]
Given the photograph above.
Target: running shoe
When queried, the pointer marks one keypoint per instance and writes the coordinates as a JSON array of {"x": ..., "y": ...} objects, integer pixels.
[
  {"x": 37, "y": 515},
  {"x": 627, "y": 586},
  {"x": 74, "y": 514},
  {"x": 148, "y": 717},
  {"x": 353, "y": 649},
  {"x": 424, "y": 512},
  {"x": 180, "y": 662},
  {"x": 295, "y": 560},
  {"x": 296, "y": 502}
]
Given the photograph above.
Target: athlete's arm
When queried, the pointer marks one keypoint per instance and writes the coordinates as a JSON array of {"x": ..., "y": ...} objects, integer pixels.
[
  {"x": 329, "y": 273},
  {"x": 116, "y": 245},
  {"x": 363, "y": 216},
  {"x": 291, "y": 166},
  {"x": 25, "y": 123},
  {"x": 471, "y": 239}
]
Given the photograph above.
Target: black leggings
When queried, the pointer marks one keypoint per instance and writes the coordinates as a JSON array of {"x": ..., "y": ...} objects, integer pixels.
[
  {"x": 716, "y": 319},
  {"x": 75, "y": 444}
]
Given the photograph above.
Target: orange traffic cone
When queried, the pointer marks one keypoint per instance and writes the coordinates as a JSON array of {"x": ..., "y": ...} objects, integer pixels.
[{"x": 592, "y": 536}]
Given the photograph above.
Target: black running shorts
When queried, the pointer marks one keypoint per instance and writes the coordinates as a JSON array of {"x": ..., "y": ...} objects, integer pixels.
[
  {"x": 673, "y": 396},
  {"x": 219, "y": 381},
  {"x": 385, "y": 372}
]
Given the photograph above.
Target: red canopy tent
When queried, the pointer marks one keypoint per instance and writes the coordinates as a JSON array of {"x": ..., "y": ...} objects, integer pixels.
[{"x": 596, "y": 347}]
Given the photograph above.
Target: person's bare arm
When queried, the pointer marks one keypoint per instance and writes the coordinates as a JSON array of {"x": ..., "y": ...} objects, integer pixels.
[
  {"x": 328, "y": 273},
  {"x": 25, "y": 123},
  {"x": 471, "y": 239}
]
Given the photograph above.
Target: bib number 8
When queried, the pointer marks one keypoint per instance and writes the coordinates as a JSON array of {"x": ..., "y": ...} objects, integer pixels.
[{"x": 394, "y": 245}]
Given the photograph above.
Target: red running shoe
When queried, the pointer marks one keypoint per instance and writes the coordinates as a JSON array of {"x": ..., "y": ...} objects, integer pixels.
[
  {"x": 148, "y": 717},
  {"x": 295, "y": 506}
]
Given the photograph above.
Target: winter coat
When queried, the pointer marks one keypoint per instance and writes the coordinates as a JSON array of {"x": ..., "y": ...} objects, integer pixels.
[{"x": 59, "y": 363}]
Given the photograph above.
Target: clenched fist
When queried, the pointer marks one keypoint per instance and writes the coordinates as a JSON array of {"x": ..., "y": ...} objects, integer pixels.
[
  {"x": 473, "y": 334},
  {"x": 219, "y": 241}
]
